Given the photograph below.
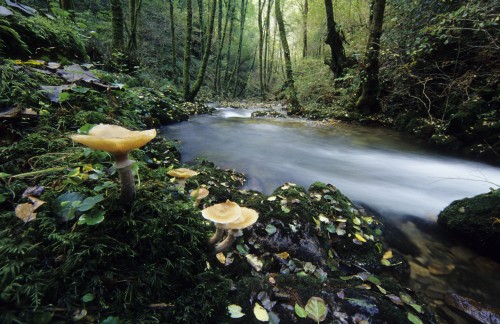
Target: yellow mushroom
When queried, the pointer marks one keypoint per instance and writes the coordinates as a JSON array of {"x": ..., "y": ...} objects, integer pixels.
[
  {"x": 198, "y": 195},
  {"x": 220, "y": 214},
  {"x": 248, "y": 217},
  {"x": 182, "y": 174},
  {"x": 118, "y": 141}
]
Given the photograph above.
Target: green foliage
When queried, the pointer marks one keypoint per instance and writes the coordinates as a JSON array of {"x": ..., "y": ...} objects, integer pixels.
[
  {"x": 10, "y": 41},
  {"x": 55, "y": 39}
]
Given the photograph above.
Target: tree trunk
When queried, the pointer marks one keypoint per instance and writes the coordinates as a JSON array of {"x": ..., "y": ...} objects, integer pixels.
[
  {"x": 218, "y": 72},
  {"x": 262, "y": 4},
  {"x": 335, "y": 41},
  {"x": 289, "y": 84},
  {"x": 66, "y": 5},
  {"x": 219, "y": 46},
  {"x": 134, "y": 9},
  {"x": 117, "y": 23},
  {"x": 202, "y": 28},
  {"x": 368, "y": 101},
  {"x": 305, "y": 15},
  {"x": 187, "y": 50},
  {"x": 175, "y": 74},
  {"x": 203, "y": 68},
  {"x": 267, "y": 30},
  {"x": 237, "y": 63},
  {"x": 230, "y": 41}
]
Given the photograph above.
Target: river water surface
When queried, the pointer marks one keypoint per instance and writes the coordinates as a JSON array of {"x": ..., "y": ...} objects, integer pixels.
[{"x": 376, "y": 167}]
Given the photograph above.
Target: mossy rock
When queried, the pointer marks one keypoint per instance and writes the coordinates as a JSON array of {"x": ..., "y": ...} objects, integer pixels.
[{"x": 475, "y": 222}]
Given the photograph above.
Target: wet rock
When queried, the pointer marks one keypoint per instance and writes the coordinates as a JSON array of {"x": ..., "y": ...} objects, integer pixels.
[
  {"x": 475, "y": 222},
  {"x": 473, "y": 309}
]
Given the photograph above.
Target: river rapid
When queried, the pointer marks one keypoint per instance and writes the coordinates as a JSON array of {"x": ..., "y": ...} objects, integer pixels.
[{"x": 405, "y": 183}]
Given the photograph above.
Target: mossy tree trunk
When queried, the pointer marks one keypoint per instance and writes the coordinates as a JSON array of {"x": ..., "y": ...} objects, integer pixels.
[
  {"x": 229, "y": 45},
  {"x": 117, "y": 23},
  {"x": 203, "y": 68},
  {"x": 237, "y": 64},
  {"x": 220, "y": 38},
  {"x": 187, "y": 50},
  {"x": 305, "y": 14},
  {"x": 368, "y": 101},
  {"x": 173, "y": 43},
  {"x": 335, "y": 41},
  {"x": 134, "y": 10},
  {"x": 289, "y": 83},
  {"x": 261, "y": 6}
]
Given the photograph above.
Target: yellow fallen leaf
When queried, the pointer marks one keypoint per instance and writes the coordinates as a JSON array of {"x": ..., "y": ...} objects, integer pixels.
[
  {"x": 387, "y": 255},
  {"x": 36, "y": 202},
  {"x": 254, "y": 261},
  {"x": 360, "y": 237},
  {"x": 283, "y": 255},
  {"x": 260, "y": 313},
  {"x": 221, "y": 257},
  {"x": 25, "y": 212}
]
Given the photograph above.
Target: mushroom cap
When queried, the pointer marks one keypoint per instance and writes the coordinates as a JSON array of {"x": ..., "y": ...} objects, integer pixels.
[
  {"x": 222, "y": 213},
  {"x": 114, "y": 139},
  {"x": 248, "y": 217},
  {"x": 199, "y": 193},
  {"x": 182, "y": 173}
]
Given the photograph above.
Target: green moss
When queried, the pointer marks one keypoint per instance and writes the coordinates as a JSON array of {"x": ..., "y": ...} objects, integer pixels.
[{"x": 474, "y": 221}]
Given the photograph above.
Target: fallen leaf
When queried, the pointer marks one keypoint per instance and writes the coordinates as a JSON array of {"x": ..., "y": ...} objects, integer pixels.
[
  {"x": 283, "y": 255},
  {"x": 387, "y": 255},
  {"x": 25, "y": 212},
  {"x": 360, "y": 237},
  {"x": 260, "y": 313},
  {"x": 254, "y": 261},
  {"x": 36, "y": 202},
  {"x": 235, "y": 311},
  {"x": 221, "y": 257},
  {"x": 316, "y": 309}
]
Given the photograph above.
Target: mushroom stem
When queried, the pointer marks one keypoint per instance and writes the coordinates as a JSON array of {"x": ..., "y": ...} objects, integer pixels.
[
  {"x": 127, "y": 194},
  {"x": 197, "y": 202},
  {"x": 124, "y": 167},
  {"x": 228, "y": 241},
  {"x": 181, "y": 184},
  {"x": 217, "y": 236}
]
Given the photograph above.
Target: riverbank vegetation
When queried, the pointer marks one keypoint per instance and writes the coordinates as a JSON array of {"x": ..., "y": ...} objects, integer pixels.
[{"x": 71, "y": 251}]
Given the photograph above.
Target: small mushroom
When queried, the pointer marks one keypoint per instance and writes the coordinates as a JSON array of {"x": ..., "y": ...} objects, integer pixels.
[
  {"x": 118, "y": 141},
  {"x": 248, "y": 218},
  {"x": 221, "y": 214},
  {"x": 198, "y": 195},
  {"x": 182, "y": 174}
]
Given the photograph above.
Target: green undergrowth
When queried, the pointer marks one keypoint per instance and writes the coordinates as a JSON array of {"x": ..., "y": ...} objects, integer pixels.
[{"x": 38, "y": 36}]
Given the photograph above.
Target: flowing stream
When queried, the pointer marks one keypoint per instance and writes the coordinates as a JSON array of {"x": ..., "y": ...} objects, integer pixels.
[{"x": 375, "y": 167}]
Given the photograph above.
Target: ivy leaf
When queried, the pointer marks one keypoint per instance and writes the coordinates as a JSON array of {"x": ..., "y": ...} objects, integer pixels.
[
  {"x": 235, "y": 311},
  {"x": 94, "y": 218},
  {"x": 316, "y": 309},
  {"x": 64, "y": 205},
  {"x": 301, "y": 312},
  {"x": 90, "y": 202}
]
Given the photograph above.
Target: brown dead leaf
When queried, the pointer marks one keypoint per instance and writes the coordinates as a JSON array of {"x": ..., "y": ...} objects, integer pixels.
[{"x": 25, "y": 212}]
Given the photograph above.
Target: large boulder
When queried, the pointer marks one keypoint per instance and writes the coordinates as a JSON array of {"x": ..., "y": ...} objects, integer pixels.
[{"x": 475, "y": 222}]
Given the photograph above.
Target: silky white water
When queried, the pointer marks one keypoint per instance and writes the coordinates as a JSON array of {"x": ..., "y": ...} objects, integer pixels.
[{"x": 376, "y": 167}]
